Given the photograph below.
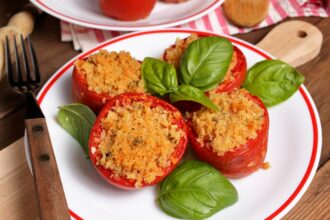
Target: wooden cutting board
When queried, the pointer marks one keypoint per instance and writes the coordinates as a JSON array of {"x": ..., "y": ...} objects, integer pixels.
[{"x": 295, "y": 42}]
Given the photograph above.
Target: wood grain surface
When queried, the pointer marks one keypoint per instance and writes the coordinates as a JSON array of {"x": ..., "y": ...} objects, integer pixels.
[
  {"x": 50, "y": 195},
  {"x": 17, "y": 198},
  {"x": 297, "y": 42},
  {"x": 17, "y": 194}
]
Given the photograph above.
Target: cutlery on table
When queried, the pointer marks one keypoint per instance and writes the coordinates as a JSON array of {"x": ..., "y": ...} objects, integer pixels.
[
  {"x": 20, "y": 23},
  {"x": 50, "y": 194}
]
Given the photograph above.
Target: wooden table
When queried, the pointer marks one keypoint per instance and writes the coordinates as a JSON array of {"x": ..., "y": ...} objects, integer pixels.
[{"x": 53, "y": 54}]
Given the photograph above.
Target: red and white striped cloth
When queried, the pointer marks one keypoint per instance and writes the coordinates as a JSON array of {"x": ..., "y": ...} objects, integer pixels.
[{"x": 84, "y": 38}]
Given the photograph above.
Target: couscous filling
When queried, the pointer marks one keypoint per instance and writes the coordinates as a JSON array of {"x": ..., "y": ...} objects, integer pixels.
[
  {"x": 173, "y": 54},
  {"x": 238, "y": 119},
  {"x": 138, "y": 141},
  {"x": 111, "y": 72}
]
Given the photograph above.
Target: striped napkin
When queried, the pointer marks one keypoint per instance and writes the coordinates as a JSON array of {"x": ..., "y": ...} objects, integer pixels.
[{"x": 84, "y": 38}]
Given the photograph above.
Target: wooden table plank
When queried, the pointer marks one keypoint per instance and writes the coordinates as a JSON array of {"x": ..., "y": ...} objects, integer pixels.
[
  {"x": 8, "y": 8},
  {"x": 315, "y": 202},
  {"x": 12, "y": 100},
  {"x": 12, "y": 127},
  {"x": 17, "y": 195}
]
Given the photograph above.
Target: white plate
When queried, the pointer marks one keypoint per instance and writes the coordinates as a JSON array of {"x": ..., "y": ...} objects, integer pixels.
[
  {"x": 87, "y": 13},
  {"x": 294, "y": 148}
]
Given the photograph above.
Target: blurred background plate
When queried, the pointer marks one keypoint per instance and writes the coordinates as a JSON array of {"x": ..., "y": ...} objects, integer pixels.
[{"x": 87, "y": 13}]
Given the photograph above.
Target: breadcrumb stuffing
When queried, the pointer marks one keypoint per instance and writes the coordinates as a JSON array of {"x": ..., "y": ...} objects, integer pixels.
[
  {"x": 111, "y": 72},
  {"x": 173, "y": 54},
  {"x": 237, "y": 120},
  {"x": 266, "y": 165},
  {"x": 137, "y": 141}
]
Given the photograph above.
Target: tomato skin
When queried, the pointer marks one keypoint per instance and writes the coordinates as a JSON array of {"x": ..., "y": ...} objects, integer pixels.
[
  {"x": 95, "y": 135},
  {"x": 238, "y": 71},
  {"x": 242, "y": 160},
  {"x": 127, "y": 10},
  {"x": 81, "y": 93}
]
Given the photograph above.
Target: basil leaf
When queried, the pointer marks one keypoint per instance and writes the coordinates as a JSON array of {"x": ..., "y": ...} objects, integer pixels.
[
  {"x": 196, "y": 190},
  {"x": 190, "y": 93},
  {"x": 205, "y": 62},
  {"x": 273, "y": 81},
  {"x": 159, "y": 77},
  {"x": 77, "y": 119}
]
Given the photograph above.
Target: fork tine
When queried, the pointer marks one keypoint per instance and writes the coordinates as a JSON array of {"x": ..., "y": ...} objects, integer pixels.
[
  {"x": 34, "y": 61},
  {"x": 8, "y": 63},
  {"x": 25, "y": 61},
  {"x": 18, "y": 66}
]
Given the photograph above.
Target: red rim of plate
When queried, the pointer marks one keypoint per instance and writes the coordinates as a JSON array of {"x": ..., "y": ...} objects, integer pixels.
[
  {"x": 312, "y": 161},
  {"x": 81, "y": 22}
]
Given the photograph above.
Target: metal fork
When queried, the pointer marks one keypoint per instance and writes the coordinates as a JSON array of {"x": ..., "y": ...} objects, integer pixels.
[{"x": 50, "y": 194}]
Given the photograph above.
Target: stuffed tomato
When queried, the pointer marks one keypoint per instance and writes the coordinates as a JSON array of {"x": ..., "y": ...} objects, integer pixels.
[
  {"x": 137, "y": 140},
  {"x": 233, "y": 78},
  {"x": 235, "y": 74},
  {"x": 101, "y": 76},
  {"x": 234, "y": 139}
]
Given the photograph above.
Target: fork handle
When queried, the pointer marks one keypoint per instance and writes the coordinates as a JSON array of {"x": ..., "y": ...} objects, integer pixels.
[{"x": 50, "y": 194}]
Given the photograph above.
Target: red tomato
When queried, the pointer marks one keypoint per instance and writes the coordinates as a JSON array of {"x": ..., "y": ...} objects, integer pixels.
[
  {"x": 238, "y": 73},
  {"x": 82, "y": 94},
  {"x": 242, "y": 160},
  {"x": 127, "y": 10},
  {"x": 123, "y": 99}
]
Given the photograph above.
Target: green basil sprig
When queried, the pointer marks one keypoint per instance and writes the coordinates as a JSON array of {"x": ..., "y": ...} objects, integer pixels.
[
  {"x": 196, "y": 190},
  {"x": 190, "y": 93},
  {"x": 205, "y": 62},
  {"x": 77, "y": 119},
  {"x": 273, "y": 81},
  {"x": 159, "y": 77},
  {"x": 203, "y": 66}
]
